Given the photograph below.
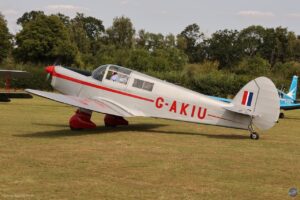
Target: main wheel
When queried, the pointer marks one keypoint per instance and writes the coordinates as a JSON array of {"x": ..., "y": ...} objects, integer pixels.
[
  {"x": 254, "y": 136},
  {"x": 281, "y": 115}
]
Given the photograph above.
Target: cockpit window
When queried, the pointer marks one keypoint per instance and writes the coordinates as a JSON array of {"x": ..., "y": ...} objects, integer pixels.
[
  {"x": 99, "y": 73},
  {"x": 118, "y": 74}
]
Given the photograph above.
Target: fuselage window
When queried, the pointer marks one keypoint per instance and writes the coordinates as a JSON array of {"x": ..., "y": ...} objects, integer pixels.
[
  {"x": 142, "y": 84},
  {"x": 138, "y": 83},
  {"x": 148, "y": 86}
]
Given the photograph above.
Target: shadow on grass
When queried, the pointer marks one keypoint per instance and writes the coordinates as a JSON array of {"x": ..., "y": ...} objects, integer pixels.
[
  {"x": 294, "y": 118},
  {"x": 53, "y": 125},
  {"x": 215, "y": 136},
  {"x": 143, "y": 128}
]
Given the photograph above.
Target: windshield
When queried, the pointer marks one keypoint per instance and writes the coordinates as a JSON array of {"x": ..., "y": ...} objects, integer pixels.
[{"x": 99, "y": 72}]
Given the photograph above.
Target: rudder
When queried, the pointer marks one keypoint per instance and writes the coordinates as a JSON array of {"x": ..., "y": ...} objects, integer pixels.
[
  {"x": 259, "y": 99},
  {"x": 293, "y": 88}
]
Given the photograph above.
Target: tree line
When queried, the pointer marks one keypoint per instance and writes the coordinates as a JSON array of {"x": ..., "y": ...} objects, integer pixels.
[{"x": 218, "y": 64}]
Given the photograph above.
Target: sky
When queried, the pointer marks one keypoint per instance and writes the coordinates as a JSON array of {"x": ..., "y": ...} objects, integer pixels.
[{"x": 168, "y": 16}]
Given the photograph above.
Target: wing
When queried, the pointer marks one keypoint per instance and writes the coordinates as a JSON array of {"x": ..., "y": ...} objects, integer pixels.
[
  {"x": 14, "y": 73},
  {"x": 98, "y": 105},
  {"x": 290, "y": 106}
]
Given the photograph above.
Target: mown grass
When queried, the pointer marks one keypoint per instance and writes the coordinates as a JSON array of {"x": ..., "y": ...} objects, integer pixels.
[{"x": 40, "y": 158}]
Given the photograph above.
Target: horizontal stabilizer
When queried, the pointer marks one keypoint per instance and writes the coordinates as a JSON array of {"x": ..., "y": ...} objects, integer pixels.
[{"x": 242, "y": 111}]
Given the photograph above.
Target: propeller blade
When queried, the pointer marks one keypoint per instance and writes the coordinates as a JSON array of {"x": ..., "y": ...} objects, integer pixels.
[{"x": 48, "y": 76}]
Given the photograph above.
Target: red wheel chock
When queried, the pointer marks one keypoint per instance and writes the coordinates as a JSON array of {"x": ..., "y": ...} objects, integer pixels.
[
  {"x": 112, "y": 121},
  {"x": 81, "y": 120}
]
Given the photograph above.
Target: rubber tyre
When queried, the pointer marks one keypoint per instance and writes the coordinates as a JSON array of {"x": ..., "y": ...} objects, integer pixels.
[
  {"x": 254, "y": 136},
  {"x": 281, "y": 115}
]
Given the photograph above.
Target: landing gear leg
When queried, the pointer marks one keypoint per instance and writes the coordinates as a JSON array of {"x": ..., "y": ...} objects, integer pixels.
[{"x": 253, "y": 134}]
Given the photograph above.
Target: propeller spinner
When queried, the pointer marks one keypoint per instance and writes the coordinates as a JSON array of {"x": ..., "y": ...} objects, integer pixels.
[{"x": 49, "y": 70}]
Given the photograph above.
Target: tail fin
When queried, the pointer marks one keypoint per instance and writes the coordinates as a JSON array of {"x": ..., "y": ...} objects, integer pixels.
[
  {"x": 293, "y": 88},
  {"x": 258, "y": 99}
]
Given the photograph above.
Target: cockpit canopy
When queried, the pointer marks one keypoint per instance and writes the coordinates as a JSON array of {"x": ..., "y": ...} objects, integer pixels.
[{"x": 112, "y": 72}]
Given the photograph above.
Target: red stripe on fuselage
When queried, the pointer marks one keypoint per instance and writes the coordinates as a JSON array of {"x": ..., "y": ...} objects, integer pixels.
[{"x": 100, "y": 87}]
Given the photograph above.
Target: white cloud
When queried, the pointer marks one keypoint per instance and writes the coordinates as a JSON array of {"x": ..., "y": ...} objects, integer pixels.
[
  {"x": 10, "y": 12},
  {"x": 255, "y": 14},
  {"x": 124, "y": 2},
  {"x": 65, "y": 8},
  {"x": 163, "y": 12},
  {"x": 294, "y": 15}
]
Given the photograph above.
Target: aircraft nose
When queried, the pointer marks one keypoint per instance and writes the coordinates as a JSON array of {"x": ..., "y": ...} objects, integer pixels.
[{"x": 50, "y": 69}]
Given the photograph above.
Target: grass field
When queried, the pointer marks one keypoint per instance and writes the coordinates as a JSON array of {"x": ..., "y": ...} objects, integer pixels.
[{"x": 40, "y": 158}]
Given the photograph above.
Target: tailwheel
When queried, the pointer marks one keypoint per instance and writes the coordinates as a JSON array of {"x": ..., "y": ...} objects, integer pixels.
[{"x": 254, "y": 136}]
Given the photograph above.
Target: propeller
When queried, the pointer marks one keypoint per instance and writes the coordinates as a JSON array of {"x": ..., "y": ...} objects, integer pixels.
[
  {"x": 48, "y": 76},
  {"x": 50, "y": 69}
]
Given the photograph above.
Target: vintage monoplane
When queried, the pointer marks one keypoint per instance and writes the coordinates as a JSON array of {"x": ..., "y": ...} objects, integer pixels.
[{"x": 119, "y": 92}]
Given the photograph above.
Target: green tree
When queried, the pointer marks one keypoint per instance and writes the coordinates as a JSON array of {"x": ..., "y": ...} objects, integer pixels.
[
  {"x": 5, "y": 39},
  {"x": 155, "y": 41},
  {"x": 152, "y": 41},
  {"x": 191, "y": 46},
  {"x": 65, "y": 19},
  {"x": 140, "y": 59},
  {"x": 29, "y": 16},
  {"x": 170, "y": 41},
  {"x": 79, "y": 36},
  {"x": 44, "y": 39},
  {"x": 142, "y": 39},
  {"x": 86, "y": 33},
  {"x": 224, "y": 47},
  {"x": 252, "y": 39},
  {"x": 283, "y": 44},
  {"x": 92, "y": 26},
  {"x": 121, "y": 32},
  {"x": 286, "y": 71},
  {"x": 277, "y": 45},
  {"x": 255, "y": 66},
  {"x": 296, "y": 49}
]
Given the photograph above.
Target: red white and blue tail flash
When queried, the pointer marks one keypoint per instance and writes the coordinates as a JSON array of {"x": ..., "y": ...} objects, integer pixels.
[{"x": 247, "y": 98}]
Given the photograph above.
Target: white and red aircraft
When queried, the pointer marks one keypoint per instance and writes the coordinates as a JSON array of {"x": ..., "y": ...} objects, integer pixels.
[{"x": 119, "y": 92}]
